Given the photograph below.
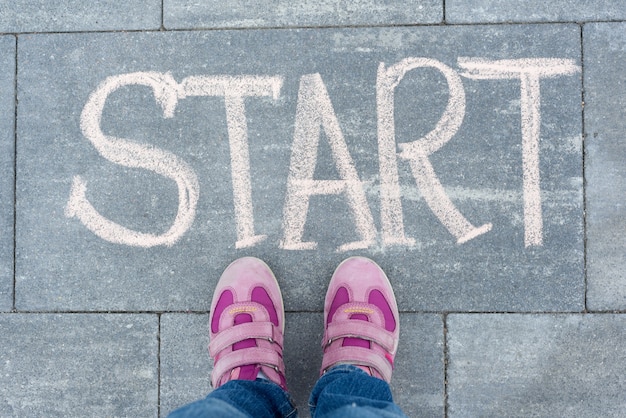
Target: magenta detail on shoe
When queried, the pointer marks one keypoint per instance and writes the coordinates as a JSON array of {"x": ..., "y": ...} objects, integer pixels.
[
  {"x": 361, "y": 319},
  {"x": 247, "y": 372},
  {"x": 247, "y": 324}
]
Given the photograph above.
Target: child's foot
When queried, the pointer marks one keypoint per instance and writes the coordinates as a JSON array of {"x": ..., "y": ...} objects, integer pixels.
[
  {"x": 361, "y": 319},
  {"x": 247, "y": 322}
]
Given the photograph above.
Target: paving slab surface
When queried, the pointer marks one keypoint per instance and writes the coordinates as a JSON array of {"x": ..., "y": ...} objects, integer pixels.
[
  {"x": 479, "y": 161},
  {"x": 79, "y": 364},
  {"x": 185, "y": 14},
  {"x": 536, "y": 365},
  {"x": 77, "y": 15},
  {"x": 90, "y": 229},
  {"x": 500, "y": 11},
  {"x": 7, "y": 164},
  {"x": 605, "y": 101}
]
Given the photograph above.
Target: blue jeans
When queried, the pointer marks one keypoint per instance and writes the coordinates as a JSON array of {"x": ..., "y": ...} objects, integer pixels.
[{"x": 344, "y": 391}]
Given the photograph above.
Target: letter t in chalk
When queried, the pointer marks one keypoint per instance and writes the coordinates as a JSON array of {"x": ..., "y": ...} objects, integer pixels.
[{"x": 529, "y": 71}]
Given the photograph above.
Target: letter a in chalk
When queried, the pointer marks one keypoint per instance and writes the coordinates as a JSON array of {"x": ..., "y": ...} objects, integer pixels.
[
  {"x": 417, "y": 153},
  {"x": 131, "y": 154},
  {"x": 315, "y": 110}
]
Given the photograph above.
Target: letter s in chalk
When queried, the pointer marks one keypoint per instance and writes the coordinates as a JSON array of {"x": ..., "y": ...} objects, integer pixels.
[{"x": 134, "y": 155}]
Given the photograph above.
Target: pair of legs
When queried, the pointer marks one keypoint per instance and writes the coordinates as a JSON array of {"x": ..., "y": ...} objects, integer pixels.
[{"x": 247, "y": 323}]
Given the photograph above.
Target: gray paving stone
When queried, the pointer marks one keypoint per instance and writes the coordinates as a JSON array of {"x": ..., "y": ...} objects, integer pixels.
[
  {"x": 185, "y": 362},
  {"x": 77, "y": 365},
  {"x": 212, "y": 13},
  {"x": 7, "y": 163},
  {"x": 62, "y": 265},
  {"x": 605, "y": 100},
  {"x": 303, "y": 356},
  {"x": 418, "y": 377},
  {"x": 417, "y": 383},
  {"x": 75, "y": 15},
  {"x": 498, "y": 11},
  {"x": 536, "y": 365}
]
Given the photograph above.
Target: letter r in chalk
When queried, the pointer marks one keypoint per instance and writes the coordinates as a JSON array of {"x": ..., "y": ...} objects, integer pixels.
[{"x": 417, "y": 153}]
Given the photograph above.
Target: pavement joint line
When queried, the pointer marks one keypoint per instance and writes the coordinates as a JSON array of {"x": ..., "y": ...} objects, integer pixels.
[
  {"x": 202, "y": 29},
  {"x": 162, "y": 28},
  {"x": 446, "y": 356},
  {"x": 583, "y": 156},
  {"x": 263, "y": 28},
  {"x": 355, "y": 26},
  {"x": 15, "y": 176},
  {"x": 158, "y": 365}
]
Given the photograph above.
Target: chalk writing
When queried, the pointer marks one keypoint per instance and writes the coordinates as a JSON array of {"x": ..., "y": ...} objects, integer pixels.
[
  {"x": 417, "y": 153},
  {"x": 314, "y": 113},
  {"x": 530, "y": 72},
  {"x": 131, "y": 154},
  {"x": 234, "y": 89},
  {"x": 314, "y": 110}
]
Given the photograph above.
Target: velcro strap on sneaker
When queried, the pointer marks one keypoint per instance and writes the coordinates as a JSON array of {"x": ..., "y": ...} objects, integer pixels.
[
  {"x": 359, "y": 356},
  {"x": 359, "y": 329},
  {"x": 248, "y": 330},
  {"x": 245, "y": 357}
]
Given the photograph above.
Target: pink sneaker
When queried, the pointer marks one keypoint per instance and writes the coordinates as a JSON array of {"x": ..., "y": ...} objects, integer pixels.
[
  {"x": 361, "y": 319},
  {"x": 247, "y": 323}
]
